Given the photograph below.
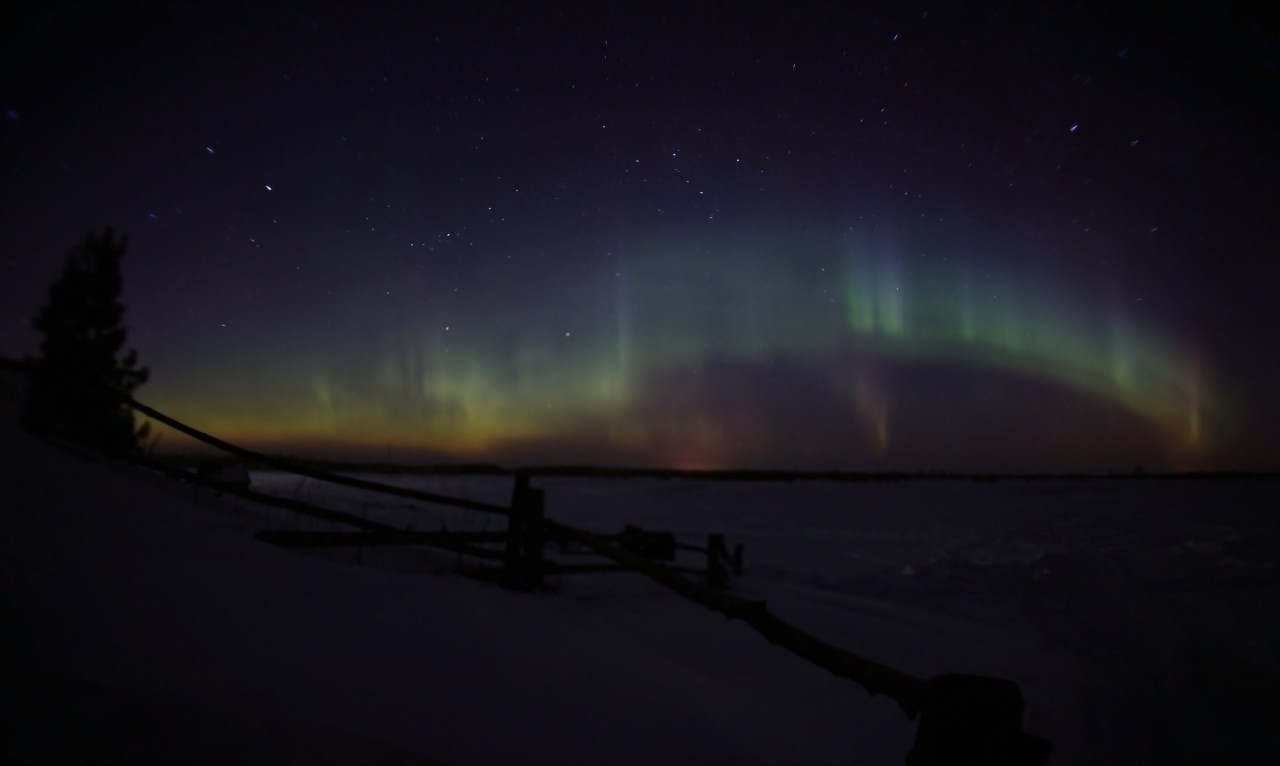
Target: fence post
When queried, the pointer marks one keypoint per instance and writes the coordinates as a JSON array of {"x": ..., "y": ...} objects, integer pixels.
[
  {"x": 523, "y": 563},
  {"x": 717, "y": 575},
  {"x": 534, "y": 534}
]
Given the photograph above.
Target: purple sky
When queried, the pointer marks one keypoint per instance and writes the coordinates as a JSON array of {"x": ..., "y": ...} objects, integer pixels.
[{"x": 716, "y": 234}]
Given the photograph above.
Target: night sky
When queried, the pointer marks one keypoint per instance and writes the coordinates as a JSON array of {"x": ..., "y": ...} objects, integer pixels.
[{"x": 732, "y": 234}]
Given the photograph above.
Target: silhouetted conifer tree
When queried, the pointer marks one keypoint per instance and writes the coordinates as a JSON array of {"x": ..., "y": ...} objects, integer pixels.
[{"x": 75, "y": 384}]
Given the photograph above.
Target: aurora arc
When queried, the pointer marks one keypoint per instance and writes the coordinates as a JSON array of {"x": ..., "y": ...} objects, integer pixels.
[{"x": 468, "y": 379}]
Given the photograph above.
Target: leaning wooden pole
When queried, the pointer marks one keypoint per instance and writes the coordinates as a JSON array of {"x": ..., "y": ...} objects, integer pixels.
[
  {"x": 305, "y": 509},
  {"x": 875, "y": 678},
  {"x": 964, "y": 719},
  {"x": 285, "y": 465}
]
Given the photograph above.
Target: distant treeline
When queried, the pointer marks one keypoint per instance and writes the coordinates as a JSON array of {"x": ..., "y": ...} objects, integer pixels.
[
  {"x": 745, "y": 474},
  {"x": 191, "y": 460}
]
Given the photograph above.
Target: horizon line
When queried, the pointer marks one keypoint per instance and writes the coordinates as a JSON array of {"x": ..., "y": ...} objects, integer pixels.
[{"x": 743, "y": 473}]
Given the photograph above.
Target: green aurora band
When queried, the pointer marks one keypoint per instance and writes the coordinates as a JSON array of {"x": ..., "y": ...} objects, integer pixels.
[{"x": 531, "y": 361}]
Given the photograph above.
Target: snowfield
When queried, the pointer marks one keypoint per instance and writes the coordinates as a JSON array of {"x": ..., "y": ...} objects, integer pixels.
[{"x": 143, "y": 623}]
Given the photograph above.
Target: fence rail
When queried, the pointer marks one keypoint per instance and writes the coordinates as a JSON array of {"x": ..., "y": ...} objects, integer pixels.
[{"x": 311, "y": 473}]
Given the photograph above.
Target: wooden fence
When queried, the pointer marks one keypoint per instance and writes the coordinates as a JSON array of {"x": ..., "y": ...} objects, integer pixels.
[
  {"x": 963, "y": 719},
  {"x": 524, "y": 545}
]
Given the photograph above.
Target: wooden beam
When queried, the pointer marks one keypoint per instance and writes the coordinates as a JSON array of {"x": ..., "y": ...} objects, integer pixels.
[
  {"x": 906, "y": 690},
  {"x": 285, "y": 465},
  {"x": 306, "y": 509}
]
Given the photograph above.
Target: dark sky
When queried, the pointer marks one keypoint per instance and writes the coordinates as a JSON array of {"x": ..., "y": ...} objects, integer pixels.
[{"x": 715, "y": 234}]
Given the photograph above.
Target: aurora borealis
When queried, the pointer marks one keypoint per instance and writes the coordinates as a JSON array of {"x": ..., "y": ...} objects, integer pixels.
[{"x": 902, "y": 238}]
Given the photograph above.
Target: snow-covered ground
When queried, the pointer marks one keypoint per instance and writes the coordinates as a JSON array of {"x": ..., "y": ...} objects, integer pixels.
[{"x": 142, "y": 623}]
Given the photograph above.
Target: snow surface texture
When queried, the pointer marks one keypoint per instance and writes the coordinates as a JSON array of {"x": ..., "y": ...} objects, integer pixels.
[{"x": 142, "y": 623}]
